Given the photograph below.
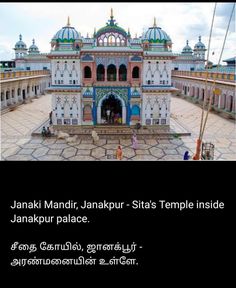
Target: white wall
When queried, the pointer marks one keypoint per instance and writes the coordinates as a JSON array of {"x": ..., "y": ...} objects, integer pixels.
[
  {"x": 156, "y": 106},
  {"x": 157, "y": 73},
  {"x": 66, "y": 73},
  {"x": 66, "y": 106}
]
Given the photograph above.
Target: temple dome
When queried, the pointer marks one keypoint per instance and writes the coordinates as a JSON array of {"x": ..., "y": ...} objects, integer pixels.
[
  {"x": 33, "y": 48},
  {"x": 187, "y": 49},
  {"x": 156, "y": 35},
  {"x": 67, "y": 34},
  {"x": 199, "y": 45},
  {"x": 20, "y": 44}
]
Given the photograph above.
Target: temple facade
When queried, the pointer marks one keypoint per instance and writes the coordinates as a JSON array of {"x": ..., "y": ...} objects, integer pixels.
[{"x": 111, "y": 78}]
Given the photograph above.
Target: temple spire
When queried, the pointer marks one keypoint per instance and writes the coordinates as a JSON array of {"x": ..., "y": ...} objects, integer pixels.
[
  {"x": 68, "y": 21},
  {"x": 33, "y": 41},
  {"x": 20, "y": 37},
  {"x": 128, "y": 32},
  {"x": 155, "y": 22},
  {"x": 111, "y": 21}
]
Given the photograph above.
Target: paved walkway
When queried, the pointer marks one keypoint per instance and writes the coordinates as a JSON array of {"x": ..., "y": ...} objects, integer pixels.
[{"x": 18, "y": 144}]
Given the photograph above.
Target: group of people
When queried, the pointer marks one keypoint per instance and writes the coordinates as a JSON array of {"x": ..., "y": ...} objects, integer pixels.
[
  {"x": 112, "y": 117},
  {"x": 46, "y": 132},
  {"x": 134, "y": 140}
]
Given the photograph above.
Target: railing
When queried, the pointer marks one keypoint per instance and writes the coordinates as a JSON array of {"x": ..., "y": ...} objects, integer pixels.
[
  {"x": 21, "y": 74},
  {"x": 202, "y": 74}
]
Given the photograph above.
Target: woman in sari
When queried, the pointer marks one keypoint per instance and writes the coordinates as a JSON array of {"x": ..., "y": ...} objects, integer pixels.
[{"x": 119, "y": 153}]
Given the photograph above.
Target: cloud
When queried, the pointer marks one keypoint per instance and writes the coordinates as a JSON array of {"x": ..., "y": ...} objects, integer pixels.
[{"x": 181, "y": 21}]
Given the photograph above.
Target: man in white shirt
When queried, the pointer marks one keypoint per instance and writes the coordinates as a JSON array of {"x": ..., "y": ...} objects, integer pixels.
[{"x": 108, "y": 115}]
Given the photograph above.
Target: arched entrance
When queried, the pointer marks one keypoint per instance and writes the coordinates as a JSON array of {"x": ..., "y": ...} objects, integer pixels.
[{"x": 111, "y": 110}]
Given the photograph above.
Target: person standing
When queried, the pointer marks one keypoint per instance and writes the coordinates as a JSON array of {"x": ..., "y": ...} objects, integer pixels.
[
  {"x": 44, "y": 132},
  {"x": 50, "y": 118},
  {"x": 108, "y": 115},
  {"x": 119, "y": 153},
  {"x": 134, "y": 142}
]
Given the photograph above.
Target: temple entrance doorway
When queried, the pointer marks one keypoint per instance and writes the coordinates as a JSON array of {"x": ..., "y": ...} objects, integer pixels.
[{"x": 111, "y": 111}]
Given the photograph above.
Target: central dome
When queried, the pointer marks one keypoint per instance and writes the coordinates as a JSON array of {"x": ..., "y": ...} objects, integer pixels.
[{"x": 110, "y": 27}]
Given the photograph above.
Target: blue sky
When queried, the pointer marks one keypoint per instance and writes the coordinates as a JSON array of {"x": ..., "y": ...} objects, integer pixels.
[{"x": 181, "y": 21}]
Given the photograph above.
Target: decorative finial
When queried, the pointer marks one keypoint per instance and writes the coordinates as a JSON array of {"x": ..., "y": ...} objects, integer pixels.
[
  {"x": 187, "y": 42},
  {"x": 68, "y": 21},
  {"x": 33, "y": 41},
  {"x": 155, "y": 22},
  {"x": 87, "y": 35},
  {"x": 200, "y": 38},
  {"x": 94, "y": 33},
  {"x": 112, "y": 13},
  {"x": 20, "y": 37}
]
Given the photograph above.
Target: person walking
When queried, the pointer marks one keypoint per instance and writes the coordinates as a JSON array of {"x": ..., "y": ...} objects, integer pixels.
[{"x": 119, "y": 153}]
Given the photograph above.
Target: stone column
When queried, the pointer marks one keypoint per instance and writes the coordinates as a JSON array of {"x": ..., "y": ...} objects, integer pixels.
[
  {"x": 105, "y": 76},
  {"x": 117, "y": 73},
  {"x": 99, "y": 114},
  {"x": 4, "y": 99},
  {"x": 219, "y": 101},
  {"x": 124, "y": 115}
]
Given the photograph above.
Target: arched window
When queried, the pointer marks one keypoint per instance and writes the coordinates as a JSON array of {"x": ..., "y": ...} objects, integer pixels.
[
  {"x": 111, "y": 73},
  {"x": 105, "y": 41},
  {"x": 135, "y": 112},
  {"x": 111, "y": 40},
  {"x": 135, "y": 72},
  {"x": 117, "y": 41},
  {"x": 100, "y": 73},
  {"x": 87, "y": 72},
  {"x": 122, "y": 73}
]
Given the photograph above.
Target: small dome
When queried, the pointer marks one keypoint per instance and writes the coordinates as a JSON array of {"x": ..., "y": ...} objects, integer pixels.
[
  {"x": 156, "y": 35},
  {"x": 199, "y": 45},
  {"x": 187, "y": 49},
  {"x": 20, "y": 44},
  {"x": 67, "y": 34},
  {"x": 33, "y": 48}
]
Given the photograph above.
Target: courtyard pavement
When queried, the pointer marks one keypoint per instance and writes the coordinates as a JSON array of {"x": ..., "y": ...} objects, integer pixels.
[{"x": 18, "y": 144}]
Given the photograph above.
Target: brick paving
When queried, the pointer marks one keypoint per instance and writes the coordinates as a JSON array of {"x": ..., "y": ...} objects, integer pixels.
[{"x": 18, "y": 144}]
